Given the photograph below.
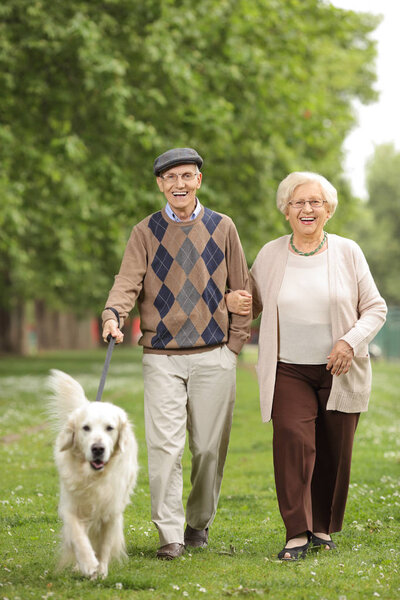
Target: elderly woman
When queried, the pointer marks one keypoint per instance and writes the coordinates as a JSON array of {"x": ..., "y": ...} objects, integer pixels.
[{"x": 320, "y": 309}]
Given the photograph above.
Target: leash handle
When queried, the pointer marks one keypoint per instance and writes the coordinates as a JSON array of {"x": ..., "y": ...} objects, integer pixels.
[{"x": 111, "y": 344}]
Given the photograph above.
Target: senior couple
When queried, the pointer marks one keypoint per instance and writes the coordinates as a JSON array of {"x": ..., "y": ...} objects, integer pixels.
[{"x": 320, "y": 309}]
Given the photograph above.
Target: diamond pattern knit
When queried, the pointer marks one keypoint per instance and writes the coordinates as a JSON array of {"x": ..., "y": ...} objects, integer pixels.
[{"x": 178, "y": 273}]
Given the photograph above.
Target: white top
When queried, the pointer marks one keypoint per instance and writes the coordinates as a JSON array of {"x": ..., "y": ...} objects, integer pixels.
[{"x": 305, "y": 331}]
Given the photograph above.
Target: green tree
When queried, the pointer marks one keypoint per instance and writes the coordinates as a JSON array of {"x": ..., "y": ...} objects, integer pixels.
[
  {"x": 92, "y": 92},
  {"x": 380, "y": 233}
]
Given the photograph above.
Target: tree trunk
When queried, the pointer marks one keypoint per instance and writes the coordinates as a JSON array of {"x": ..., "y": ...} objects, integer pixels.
[
  {"x": 43, "y": 328},
  {"x": 13, "y": 330},
  {"x": 63, "y": 331}
]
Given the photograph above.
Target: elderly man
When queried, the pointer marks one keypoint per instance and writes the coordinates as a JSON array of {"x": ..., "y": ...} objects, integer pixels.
[{"x": 177, "y": 265}]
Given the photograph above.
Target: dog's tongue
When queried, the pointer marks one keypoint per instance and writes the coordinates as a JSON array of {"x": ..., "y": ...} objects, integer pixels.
[{"x": 97, "y": 464}]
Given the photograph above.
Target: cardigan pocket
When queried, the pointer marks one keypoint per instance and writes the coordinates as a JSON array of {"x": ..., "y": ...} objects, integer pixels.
[{"x": 358, "y": 379}]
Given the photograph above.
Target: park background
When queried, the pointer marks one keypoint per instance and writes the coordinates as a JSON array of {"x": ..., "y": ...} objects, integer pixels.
[{"x": 91, "y": 92}]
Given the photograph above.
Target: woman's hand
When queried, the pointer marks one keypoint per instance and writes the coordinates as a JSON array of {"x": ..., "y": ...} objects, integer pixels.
[
  {"x": 340, "y": 358},
  {"x": 111, "y": 326},
  {"x": 239, "y": 302}
]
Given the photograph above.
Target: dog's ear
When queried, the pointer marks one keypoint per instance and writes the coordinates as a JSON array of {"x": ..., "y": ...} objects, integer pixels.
[
  {"x": 67, "y": 436},
  {"x": 123, "y": 432}
]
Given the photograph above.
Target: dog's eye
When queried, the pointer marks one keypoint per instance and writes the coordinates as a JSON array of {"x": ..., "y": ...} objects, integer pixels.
[
  {"x": 109, "y": 428},
  {"x": 86, "y": 428}
]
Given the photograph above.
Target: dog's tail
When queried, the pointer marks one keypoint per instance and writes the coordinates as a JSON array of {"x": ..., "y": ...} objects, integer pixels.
[{"x": 66, "y": 395}]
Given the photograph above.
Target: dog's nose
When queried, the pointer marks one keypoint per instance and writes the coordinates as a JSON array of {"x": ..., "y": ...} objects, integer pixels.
[{"x": 97, "y": 450}]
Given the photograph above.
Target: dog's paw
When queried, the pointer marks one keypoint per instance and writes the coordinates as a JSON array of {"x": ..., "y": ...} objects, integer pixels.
[
  {"x": 103, "y": 570},
  {"x": 89, "y": 569}
]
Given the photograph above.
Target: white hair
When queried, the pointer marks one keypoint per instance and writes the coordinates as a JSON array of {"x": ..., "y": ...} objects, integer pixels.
[{"x": 288, "y": 185}]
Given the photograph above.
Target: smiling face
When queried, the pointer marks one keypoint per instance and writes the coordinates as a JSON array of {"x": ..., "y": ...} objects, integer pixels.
[
  {"x": 181, "y": 193},
  {"x": 307, "y": 222}
]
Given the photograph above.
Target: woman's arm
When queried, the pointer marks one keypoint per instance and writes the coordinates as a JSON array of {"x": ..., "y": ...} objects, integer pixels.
[{"x": 371, "y": 309}]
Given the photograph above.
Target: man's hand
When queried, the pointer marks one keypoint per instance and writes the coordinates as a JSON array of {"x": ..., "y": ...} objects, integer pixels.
[
  {"x": 111, "y": 326},
  {"x": 239, "y": 302},
  {"x": 340, "y": 358}
]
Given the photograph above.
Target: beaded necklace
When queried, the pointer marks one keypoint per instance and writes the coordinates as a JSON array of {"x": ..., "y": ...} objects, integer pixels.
[{"x": 308, "y": 253}]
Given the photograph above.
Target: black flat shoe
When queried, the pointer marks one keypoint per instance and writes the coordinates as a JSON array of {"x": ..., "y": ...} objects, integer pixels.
[
  {"x": 295, "y": 553},
  {"x": 318, "y": 542}
]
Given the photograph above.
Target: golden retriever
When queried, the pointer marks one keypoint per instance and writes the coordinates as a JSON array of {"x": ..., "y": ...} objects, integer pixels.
[{"x": 96, "y": 457}]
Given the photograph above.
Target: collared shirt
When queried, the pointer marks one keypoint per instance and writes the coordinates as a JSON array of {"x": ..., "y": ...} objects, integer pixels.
[{"x": 172, "y": 215}]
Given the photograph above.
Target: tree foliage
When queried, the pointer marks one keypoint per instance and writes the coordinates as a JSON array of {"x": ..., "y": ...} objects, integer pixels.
[
  {"x": 377, "y": 226},
  {"x": 92, "y": 92}
]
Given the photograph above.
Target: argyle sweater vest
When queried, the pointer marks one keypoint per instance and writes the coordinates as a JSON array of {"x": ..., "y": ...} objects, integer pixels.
[{"x": 178, "y": 274}]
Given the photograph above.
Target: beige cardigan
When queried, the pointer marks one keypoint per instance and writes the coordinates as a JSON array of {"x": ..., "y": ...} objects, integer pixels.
[{"x": 357, "y": 314}]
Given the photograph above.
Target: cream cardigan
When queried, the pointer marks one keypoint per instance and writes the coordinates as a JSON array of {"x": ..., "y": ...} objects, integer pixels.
[{"x": 357, "y": 313}]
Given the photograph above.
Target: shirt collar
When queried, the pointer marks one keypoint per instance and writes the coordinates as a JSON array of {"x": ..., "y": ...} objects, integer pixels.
[{"x": 172, "y": 215}]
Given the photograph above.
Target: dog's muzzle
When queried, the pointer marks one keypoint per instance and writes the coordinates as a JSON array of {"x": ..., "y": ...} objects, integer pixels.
[{"x": 97, "y": 453}]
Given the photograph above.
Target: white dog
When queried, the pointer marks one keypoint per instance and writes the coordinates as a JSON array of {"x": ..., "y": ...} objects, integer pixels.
[{"x": 96, "y": 456}]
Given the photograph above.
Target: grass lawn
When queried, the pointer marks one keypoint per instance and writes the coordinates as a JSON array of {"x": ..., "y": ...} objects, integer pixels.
[{"x": 241, "y": 560}]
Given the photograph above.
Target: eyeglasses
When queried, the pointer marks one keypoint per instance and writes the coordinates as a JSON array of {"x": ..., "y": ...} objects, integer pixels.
[
  {"x": 317, "y": 203},
  {"x": 173, "y": 177}
]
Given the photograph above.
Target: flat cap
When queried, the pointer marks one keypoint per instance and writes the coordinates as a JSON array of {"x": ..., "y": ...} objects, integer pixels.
[{"x": 176, "y": 156}]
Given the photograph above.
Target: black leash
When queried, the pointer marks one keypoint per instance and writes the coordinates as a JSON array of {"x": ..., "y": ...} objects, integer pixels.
[{"x": 111, "y": 344}]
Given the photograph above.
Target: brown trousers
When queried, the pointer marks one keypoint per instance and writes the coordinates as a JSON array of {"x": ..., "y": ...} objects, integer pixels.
[{"x": 312, "y": 450}]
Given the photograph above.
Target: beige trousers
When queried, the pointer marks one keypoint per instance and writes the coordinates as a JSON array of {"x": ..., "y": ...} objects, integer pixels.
[{"x": 194, "y": 392}]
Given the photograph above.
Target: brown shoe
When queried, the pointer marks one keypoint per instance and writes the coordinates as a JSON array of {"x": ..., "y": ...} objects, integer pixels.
[
  {"x": 195, "y": 537},
  {"x": 170, "y": 551}
]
